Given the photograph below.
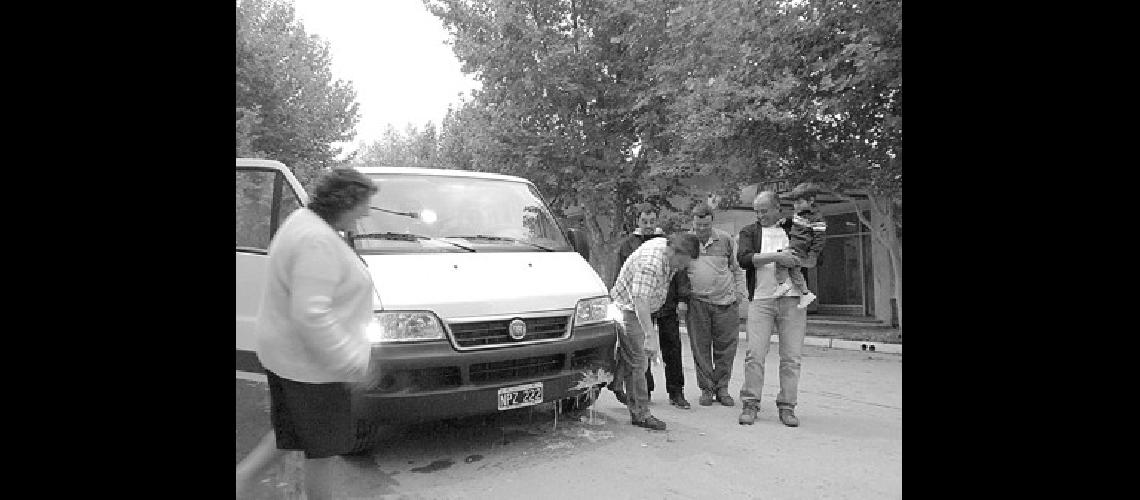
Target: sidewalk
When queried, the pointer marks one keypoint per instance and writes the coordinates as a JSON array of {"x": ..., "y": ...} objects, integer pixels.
[{"x": 831, "y": 343}]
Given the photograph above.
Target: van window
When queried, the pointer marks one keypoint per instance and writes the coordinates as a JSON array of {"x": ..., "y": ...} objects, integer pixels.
[
  {"x": 264, "y": 199},
  {"x": 486, "y": 215}
]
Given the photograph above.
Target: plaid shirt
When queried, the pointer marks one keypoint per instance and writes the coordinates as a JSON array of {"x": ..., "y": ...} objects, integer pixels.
[{"x": 645, "y": 274}]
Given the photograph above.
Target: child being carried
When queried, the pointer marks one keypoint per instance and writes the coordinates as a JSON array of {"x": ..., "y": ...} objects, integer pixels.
[{"x": 805, "y": 238}]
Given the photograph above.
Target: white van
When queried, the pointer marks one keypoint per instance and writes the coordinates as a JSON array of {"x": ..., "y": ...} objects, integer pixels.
[{"x": 482, "y": 305}]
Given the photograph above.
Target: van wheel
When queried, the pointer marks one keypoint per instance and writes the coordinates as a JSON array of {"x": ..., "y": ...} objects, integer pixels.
[{"x": 367, "y": 434}]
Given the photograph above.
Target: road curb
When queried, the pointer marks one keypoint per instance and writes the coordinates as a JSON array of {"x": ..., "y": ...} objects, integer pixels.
[{"x": 830, "y": 343}]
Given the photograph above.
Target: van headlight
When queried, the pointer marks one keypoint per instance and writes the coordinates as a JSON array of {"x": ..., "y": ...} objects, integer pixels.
[
  {"x": 590, "y": 311},
  {"x": 404, "y": 326}
]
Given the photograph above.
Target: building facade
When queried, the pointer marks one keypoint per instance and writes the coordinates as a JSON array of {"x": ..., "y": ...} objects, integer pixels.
[{"x": 853, "y": 276}]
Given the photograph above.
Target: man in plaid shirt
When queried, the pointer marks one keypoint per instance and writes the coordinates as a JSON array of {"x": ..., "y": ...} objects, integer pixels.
[{"x": 639, "y": 290}]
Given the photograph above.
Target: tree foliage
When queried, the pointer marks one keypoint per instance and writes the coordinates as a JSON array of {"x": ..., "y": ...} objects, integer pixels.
[
  {"x": 289, "y": 107},
  {"x": 414, "y": 147},
  {"x": 607, "y": 103},
  {"x": 559, "y": 99},
  {"x": 799, "y": 90},
  {"x": 794, "y": 90}
]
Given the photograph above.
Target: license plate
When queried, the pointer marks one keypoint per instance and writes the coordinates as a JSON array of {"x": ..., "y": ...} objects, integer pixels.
[{"x": 520, "y": 395}]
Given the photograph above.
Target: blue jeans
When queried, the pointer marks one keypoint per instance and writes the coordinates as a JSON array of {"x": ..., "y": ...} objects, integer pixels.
[
  {"x": 631, "y": 364},
  {"x": 781, "y": 316}
]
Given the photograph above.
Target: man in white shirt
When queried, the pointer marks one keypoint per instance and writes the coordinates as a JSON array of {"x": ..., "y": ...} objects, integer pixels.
[{"x": 758, "y": 255}]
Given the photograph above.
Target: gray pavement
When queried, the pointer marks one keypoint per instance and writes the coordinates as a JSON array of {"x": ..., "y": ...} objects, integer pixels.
[{"x": 849, "y": 445}]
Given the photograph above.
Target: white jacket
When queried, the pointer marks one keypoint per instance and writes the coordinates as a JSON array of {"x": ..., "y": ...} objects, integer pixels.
[{"x": 316, "y": 306}]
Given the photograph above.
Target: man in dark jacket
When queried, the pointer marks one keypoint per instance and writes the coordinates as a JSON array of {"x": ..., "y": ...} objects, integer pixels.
[
  {"x": 668, "y": 326},
  {"x": 771, "y": 310}
]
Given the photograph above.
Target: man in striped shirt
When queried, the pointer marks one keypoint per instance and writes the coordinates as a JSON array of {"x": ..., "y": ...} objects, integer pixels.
[{"x": 640, "y": 289}]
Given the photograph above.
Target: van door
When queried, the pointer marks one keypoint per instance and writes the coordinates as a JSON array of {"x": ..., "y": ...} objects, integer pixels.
[{"x": 266, "y": 194}]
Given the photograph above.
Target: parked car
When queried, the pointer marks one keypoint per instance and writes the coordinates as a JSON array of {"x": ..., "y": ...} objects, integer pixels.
[{"x": 482, "y": 303}]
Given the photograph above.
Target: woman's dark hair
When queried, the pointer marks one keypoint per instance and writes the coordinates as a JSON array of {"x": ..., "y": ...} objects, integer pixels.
[{"x": 338, "y": 191}]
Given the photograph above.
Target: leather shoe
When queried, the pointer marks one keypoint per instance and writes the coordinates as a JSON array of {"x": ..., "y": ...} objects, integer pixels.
[
  {"x": 724, "y": 398},
  {"x": 649, "y": 422},
  {"x": 748, "y": 415},
  {"x": 678, "y": 400},
  {"x": 788, "y": 417},
  {"x": 707, "y": 398}
]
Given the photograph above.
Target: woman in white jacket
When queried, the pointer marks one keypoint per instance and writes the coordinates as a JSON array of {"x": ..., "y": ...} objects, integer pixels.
[{"x": 311, "y": 332}]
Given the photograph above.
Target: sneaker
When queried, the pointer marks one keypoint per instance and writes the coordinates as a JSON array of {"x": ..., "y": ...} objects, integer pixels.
[
  {"x": 724, "y": 398},
  {"x": 649, "y": 422},
  {"x": 678, "y": 400},
  {"x": 748, "y": 415},
  {"x": 707, "y": 398},
  {"x": 806, "y": 299},
  {"x": 788, "y": 417}
]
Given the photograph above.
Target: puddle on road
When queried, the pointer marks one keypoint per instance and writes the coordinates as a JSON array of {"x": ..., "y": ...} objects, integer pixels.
[
  {"x": 490, "y": 440},
  {"x": 437, "y": 465}
]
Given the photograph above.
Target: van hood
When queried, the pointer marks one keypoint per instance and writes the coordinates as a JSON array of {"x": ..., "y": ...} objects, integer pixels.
[{"x": 456, "y": 285}]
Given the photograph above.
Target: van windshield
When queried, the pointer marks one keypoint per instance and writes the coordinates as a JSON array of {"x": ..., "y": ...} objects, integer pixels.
[{"x": 420, "y": 213}]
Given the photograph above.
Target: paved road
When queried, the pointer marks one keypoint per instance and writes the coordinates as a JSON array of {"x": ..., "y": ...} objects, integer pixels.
[{"x": 849, "y": 445}]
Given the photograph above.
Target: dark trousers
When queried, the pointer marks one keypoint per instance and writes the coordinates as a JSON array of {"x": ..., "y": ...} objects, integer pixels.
[
  {"x": 670, "y": 336},
  {"x": 713, "y": 336}
]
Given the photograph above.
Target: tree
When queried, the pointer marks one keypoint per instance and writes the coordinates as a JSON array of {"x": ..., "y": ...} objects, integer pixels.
[
  {"x": 798, "y": 90},
  {"x": 457, "y": 138},
  {"x": 289, "y": 107},
  {"x": 424, "y": 146},
  {"x": 411, "y": 148},
  {"x": 559, "y": 101},
  {"x": 608, "y": 103}
]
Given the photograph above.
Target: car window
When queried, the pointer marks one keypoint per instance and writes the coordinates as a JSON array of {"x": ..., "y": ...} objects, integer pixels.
[{"x": 264, "y": 200}]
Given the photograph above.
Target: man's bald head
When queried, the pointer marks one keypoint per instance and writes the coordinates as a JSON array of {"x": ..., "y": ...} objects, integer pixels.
[
  {"x": 767, "y": 198},
  {"x": 767, "y": 208}
]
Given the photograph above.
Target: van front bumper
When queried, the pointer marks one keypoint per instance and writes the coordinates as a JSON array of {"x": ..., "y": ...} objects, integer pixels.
[{"x": 432, "y": 380}]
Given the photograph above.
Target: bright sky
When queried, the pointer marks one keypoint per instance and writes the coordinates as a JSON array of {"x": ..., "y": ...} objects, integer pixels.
[{"x": 394, "y": 54}]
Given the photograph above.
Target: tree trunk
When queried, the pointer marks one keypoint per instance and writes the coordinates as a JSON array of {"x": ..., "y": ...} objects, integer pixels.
[
  {"x": 886, "y": 234},
  {"x": 895, "y": 252},
  {"x": 602, "y": 249}
]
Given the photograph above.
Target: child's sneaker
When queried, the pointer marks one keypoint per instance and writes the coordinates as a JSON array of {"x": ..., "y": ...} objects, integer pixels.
[
  {"x": 782, "y": 288},
  {"x": 806, "y": 299}
]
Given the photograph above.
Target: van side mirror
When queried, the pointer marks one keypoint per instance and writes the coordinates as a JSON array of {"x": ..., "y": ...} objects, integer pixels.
[{"x": 579, "y": 242}]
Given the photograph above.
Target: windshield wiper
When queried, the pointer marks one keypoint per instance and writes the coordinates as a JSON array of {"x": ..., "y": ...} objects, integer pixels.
[
  {"x": 405, "y": 237},
  {"x": 501, "y": 238},
  {"x": 405, "y": 214}
]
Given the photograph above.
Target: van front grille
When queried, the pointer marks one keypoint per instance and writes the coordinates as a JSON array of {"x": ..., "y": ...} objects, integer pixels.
[
  {"x": 417, "y": 380},
  {"x": 500, "y": 371},
  {"x": 495, "y": 332}
]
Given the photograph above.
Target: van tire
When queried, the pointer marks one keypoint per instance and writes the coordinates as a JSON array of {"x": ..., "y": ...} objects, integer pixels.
[{"x": 367, "y": 435}]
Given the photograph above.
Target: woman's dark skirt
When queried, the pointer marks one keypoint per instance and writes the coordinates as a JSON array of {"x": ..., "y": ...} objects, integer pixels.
[{"x": 313, "y": 418}]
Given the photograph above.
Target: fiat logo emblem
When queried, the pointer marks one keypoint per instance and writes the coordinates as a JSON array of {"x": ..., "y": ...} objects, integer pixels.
[{"x": 517, "y": 330}]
